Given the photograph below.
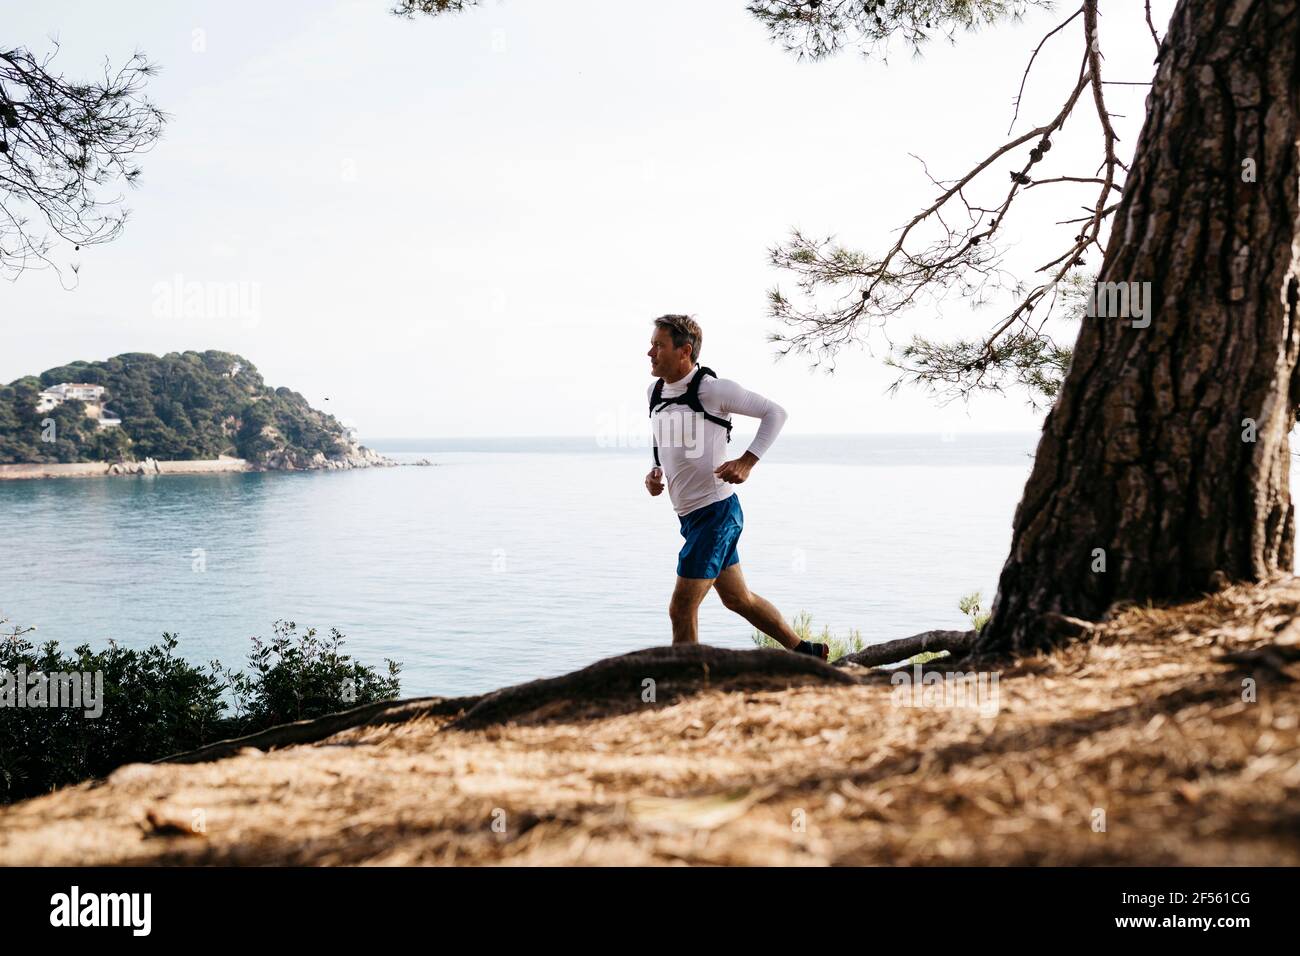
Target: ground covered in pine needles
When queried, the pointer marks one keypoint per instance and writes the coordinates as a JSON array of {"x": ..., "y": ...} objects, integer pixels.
[{"x": 1172, "y": 736}]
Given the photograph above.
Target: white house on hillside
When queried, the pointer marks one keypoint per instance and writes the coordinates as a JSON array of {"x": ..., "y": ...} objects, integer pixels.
[
  {"x": 92, "y": 395},
  {"x": 56, "y": 395}
]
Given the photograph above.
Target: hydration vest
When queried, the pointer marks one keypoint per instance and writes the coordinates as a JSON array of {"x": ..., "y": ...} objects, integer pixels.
[{"x": 690, "y": 398}]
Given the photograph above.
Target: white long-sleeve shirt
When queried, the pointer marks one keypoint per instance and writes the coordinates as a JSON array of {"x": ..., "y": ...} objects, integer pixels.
[{"x": 691, "y": 447}]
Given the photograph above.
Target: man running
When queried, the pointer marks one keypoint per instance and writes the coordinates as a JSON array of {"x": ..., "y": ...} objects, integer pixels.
[{"x": 690, "y": 411}]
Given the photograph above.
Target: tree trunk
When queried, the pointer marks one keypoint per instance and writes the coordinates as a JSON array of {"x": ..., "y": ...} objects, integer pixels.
[{"x": 1163, "y": 468}]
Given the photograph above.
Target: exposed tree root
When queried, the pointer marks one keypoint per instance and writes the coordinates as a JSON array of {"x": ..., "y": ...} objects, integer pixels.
[
  {"x": 669, "y": 667},
  {"x": 891, "y": 652},
  {"x": 1272, "y": 659},
  {"x": 676, "y": 668},
  {"x": 309, "y": 731}
]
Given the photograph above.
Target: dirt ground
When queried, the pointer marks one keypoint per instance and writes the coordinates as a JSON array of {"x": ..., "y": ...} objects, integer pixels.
[{"x": 1140, "y": 746}]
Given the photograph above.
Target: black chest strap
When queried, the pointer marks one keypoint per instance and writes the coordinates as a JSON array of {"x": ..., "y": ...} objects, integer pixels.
[{"x": 690, "y": 398}]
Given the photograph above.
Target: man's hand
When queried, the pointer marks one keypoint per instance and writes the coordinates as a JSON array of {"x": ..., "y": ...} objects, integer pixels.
[
  {"x": 738, "y": 469},
  {"x": 654, "y": 482}
]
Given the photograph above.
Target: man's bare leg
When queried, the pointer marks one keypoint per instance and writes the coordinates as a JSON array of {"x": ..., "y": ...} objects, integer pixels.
[
  {"x": 759, "y": 611},
  {"x": 684, "y": 608}
]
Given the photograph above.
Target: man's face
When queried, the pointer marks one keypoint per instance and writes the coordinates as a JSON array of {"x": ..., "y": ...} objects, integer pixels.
[{"x": 664, "y": 359}]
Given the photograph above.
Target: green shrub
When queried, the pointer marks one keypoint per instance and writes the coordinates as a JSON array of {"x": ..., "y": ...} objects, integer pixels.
[
  {"x": 298, "y": 676},
  {"x": 970, "y": 606},
  {"x": 155, "y": 704}
]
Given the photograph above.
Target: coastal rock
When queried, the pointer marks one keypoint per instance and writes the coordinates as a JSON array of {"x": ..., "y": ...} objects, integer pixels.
[
  {"x": 356, "y": 456},
  {"x": 147, "y": 467}
]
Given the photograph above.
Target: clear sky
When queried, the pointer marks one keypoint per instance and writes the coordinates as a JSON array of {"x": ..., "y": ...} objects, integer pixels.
[{"x": 463, "y": 226}]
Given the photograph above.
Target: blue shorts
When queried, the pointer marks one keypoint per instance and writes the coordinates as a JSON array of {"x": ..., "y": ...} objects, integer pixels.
[{"x": 711, "y": 534}]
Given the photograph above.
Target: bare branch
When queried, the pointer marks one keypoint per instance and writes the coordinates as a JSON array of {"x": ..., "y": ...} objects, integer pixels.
[
  {"x": 963, "y": 259},
  {"x": 1152, "y": 27},
  {"x": 1021, "y": 92},
  {"x": 61, "y": 143}
]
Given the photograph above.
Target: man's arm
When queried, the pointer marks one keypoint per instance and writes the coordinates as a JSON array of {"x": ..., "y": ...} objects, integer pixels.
[
  {"x": 732, "y": 399},
  {"x": 649, "y": 394},
  {"x": 654, "y": 479}
]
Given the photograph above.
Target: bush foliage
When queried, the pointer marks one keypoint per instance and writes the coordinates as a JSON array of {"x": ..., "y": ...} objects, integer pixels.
[{"x": 155, "y": 703}]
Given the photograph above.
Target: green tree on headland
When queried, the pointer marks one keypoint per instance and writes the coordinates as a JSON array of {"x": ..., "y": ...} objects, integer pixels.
[{"x": 179, "y": 406}]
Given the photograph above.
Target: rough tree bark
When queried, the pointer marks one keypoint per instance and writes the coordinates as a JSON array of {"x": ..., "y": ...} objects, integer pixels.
[{"x": 1146, "y": 453}]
